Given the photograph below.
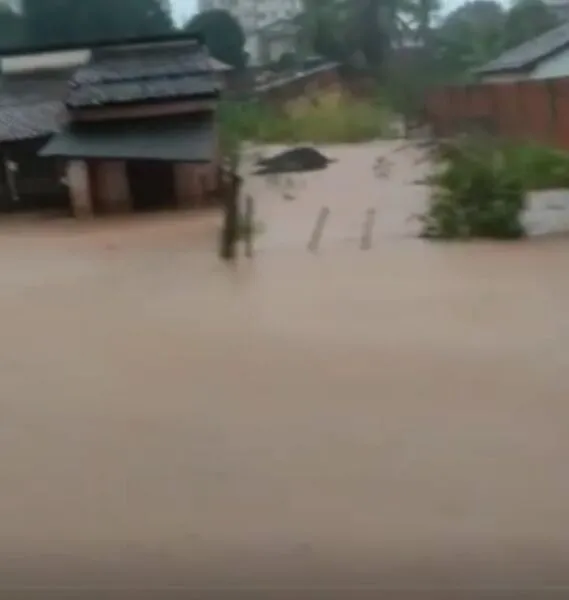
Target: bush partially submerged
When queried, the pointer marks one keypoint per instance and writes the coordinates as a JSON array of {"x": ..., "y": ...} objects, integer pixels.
[{"x": 476, "y": 193}]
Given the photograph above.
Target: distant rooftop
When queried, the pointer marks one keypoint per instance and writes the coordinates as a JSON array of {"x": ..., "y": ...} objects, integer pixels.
[{"x": 529, "y": 53}]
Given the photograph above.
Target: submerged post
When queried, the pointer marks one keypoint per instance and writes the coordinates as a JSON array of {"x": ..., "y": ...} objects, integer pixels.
[
  {"x": 249, "y": 218},
  {"x": 367, "y": 233},
  {"x": 314, "y": 242},
  {"x": 230, "y": 231}
]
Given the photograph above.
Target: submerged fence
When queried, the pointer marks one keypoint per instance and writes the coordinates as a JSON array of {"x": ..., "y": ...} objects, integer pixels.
[{"x": 531, "y": 110}]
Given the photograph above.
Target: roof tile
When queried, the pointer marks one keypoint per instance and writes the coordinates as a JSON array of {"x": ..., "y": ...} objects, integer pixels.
[{"x": 148, "y": 74}]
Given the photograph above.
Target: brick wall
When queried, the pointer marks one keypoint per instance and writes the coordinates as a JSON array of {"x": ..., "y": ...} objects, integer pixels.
[{"x": 534, "y": 110}]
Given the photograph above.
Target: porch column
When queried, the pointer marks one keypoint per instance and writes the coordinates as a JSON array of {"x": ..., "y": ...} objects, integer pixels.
[
  {"x": 113, "y": 187},
  {"x": 79, "y": 189}
]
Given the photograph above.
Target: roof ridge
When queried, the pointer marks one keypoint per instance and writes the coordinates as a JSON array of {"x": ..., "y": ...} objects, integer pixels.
[{"x": 529, "y": 52}]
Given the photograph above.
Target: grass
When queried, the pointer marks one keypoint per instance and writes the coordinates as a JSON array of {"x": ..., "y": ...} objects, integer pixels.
[{"x": 326, "y": 119}]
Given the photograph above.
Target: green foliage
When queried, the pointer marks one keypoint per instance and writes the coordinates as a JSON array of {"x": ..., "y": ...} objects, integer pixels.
[
  {"x": 539, "y": 167},
  {"x": 222, "y": 34},
  {"x": 11, "y": 28},
  {"x": 60, "y": 22},
  {"x": 476, "y": 194},
  {"x": 525, "y": 20},
  {"x": 480, "y": 30},
  {"x": 348, "y": 31},
  {"x": 471, "y": 35},
  {"x": 326, "y": 120}
]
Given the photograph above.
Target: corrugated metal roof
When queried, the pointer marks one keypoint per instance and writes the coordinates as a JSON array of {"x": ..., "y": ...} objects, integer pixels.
[
  {"x": 530, "y": 52},
  {"x": 185, "y": 139}
]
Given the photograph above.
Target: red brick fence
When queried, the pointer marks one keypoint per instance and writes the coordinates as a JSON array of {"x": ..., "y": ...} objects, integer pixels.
[{"x": 535, "y": 110}]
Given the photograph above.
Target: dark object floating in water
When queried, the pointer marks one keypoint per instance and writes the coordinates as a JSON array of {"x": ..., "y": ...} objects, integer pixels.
[{"x": 295, "y": 160}]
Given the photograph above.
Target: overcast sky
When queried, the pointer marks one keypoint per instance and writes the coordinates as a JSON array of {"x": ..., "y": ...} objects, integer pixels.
[{"x": 184, "y": 8}]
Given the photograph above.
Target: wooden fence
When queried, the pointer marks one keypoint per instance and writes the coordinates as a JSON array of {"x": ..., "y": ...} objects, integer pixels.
[{"x": 534, "y": 110}]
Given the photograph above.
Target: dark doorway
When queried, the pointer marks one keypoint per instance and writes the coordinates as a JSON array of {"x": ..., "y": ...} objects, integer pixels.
[
  {"x": 29, "y": 183},
  {"x": 151, "y": 184}
]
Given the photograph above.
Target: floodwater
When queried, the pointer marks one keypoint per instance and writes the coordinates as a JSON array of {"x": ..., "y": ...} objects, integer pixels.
[{"x": 391, "y": 418}]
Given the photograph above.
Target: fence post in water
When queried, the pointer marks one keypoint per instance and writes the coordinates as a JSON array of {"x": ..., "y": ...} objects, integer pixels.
[
  {"x": 230, "y": 232},
  {"x": 367, "y": 232},
  {"x": 314, "y": 242},
  {"x": 249, "y": 222}
]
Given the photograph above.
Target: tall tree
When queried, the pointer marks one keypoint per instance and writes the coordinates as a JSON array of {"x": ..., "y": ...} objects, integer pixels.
[
  {"x": 470, "y": 36},
  {"x": 527, "y": 19},
  {"x": 223, "y": 35},
  {"x": 60, "y": 22},
  {"x": 365, "y": 30},
  {"x": 480, "y": 30},
  {"x": 11, "y": 28}
]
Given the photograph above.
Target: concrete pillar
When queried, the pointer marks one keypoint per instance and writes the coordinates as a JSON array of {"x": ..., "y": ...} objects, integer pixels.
[
  {"x": 79, "y": 189},
  {"x": 112, "y": 185}
]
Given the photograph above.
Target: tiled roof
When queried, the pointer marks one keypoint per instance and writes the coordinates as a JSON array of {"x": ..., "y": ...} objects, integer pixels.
[
  {"x": 530, "y": 52},
  {"x": 115, "y": 77},
  {"x": 31, "y": 106},
  {"x": 163, "y": 88},
  {"x": 187, "y": 138},
  {"x": 18, "y": 123}
]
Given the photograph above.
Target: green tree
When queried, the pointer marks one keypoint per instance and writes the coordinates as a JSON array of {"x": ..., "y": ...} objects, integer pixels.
[
  {"x": 222, "y": 34},
  {"x": 11, "y": 28},
  {"x": 60, "y": 22},
  {"x": 365, "y": 31},
  {"x": 481, "y": 30},
  {"x": 526, "y": 20},
  {"x": 469, "y": 36}
]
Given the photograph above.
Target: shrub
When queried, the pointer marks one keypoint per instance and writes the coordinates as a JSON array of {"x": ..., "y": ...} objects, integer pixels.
[
  {"x": 325, "y": 118},
  {"x": 540, "y": 167},
  {"x": 476, "y": 193}
]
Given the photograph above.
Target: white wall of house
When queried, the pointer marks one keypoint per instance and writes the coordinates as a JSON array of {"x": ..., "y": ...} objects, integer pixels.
[
  {"x": 254, "y": 14},
  {"x": 264, "y": 49},
  {"x": 554, "y": 66},
  {"x": 278, "y": 46},
  {"x": 46, "y": 60}
]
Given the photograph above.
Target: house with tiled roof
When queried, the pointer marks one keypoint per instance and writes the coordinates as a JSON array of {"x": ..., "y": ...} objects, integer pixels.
[
  {"x": 543, "y": 57},
  {"x": 116, "y": 127}
]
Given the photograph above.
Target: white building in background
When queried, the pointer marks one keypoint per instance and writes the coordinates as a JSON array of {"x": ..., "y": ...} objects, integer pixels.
[{"x": 255, "y": 16}]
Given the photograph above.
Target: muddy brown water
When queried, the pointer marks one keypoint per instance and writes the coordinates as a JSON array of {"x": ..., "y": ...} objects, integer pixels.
[{"x": 395, "y": 418}]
